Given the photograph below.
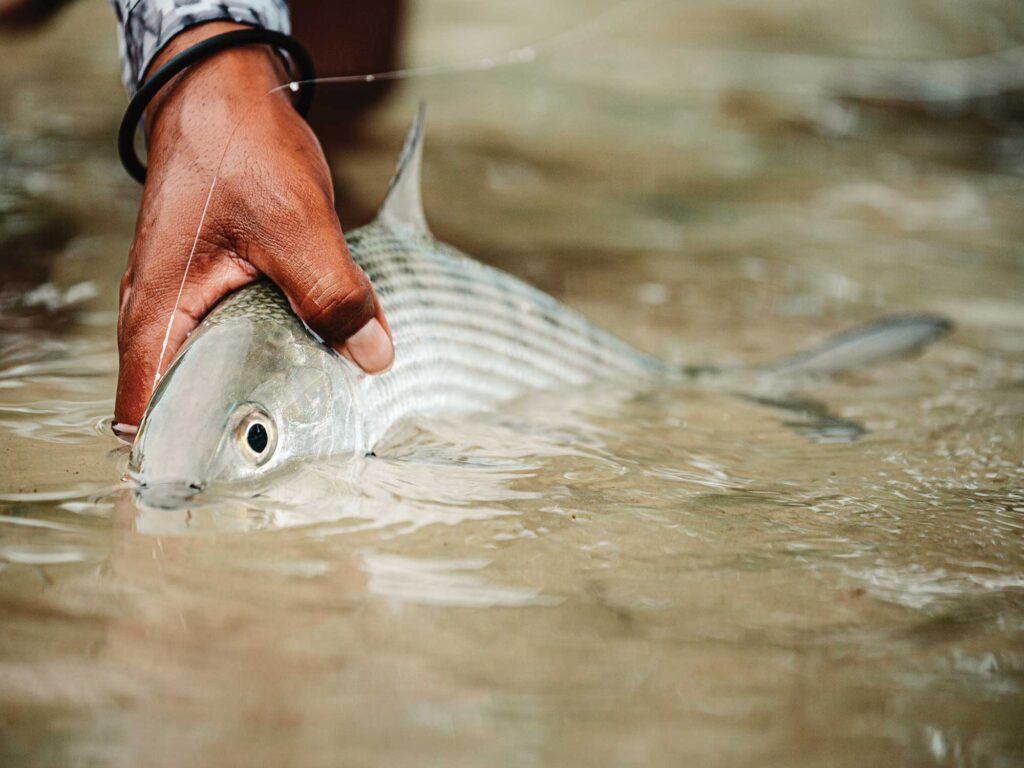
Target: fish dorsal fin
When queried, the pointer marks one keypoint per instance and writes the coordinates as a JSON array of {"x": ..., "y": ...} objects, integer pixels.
[{"x": 403, "y": 204}]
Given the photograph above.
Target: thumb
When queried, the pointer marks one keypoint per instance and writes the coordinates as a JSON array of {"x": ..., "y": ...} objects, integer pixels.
[{"x": 331, "y": 294}]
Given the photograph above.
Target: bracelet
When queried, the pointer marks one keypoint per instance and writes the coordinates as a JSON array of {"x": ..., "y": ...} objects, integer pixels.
[{"x": 300, "y": 59}]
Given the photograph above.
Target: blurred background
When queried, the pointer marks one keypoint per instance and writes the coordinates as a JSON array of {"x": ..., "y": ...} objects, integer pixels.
[
  {"x": 676, "y": 577},
  {"x": 804, "y": 159}
]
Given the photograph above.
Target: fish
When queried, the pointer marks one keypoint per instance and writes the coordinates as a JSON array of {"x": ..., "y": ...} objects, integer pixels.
[{"x": 253, "y": 390}]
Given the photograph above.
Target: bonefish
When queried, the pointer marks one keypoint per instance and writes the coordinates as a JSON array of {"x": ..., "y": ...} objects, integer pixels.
[{"x": 253, "y": 389}]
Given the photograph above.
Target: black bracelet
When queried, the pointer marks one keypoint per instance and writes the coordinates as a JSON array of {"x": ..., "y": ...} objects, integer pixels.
[{"x": 300, "y": 58}]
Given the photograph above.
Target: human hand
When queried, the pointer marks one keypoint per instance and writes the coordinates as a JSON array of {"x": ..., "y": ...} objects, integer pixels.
[{"x": 271, "y": 213}]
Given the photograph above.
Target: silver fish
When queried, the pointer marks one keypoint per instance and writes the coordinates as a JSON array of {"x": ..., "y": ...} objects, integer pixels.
[{"x": 253, "y": 389}]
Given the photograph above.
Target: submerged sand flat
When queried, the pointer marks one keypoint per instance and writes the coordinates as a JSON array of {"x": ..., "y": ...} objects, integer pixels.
[{"x": 677, "y": 578}]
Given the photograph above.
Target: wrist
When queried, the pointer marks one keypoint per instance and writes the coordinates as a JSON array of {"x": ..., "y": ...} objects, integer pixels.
[{"x": 208, "y": 95}]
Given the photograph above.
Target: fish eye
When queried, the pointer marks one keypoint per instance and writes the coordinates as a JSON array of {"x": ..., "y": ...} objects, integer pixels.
[{"x": 256, "y": 436}]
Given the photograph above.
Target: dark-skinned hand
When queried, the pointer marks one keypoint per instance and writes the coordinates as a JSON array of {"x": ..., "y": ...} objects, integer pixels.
[{"x": 271, "y": 213}]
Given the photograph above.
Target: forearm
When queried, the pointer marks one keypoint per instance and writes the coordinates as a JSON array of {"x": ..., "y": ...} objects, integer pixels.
[{"x": 147, "y": 26}]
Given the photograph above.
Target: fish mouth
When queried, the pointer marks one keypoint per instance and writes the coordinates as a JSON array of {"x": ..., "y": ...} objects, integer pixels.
[{"x": 168, "y": 494}]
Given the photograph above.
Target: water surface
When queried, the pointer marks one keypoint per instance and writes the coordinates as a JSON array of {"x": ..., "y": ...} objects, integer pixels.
[{"x": 679, "y": 576}]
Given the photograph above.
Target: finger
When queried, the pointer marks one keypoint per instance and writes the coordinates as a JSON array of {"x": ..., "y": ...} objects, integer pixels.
[
  {"x": 154, "y": 322},
  {"x": 143, "y": 354},
  {"x": 329, "y": 291},
  {"x": 370, "y": 340}
]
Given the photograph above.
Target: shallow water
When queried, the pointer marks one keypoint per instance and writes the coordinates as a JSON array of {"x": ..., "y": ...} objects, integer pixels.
[{"x": 680, "y": 576}]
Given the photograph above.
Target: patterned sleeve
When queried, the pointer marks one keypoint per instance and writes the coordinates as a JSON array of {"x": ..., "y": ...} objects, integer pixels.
[{"x": 147, "y": 25}]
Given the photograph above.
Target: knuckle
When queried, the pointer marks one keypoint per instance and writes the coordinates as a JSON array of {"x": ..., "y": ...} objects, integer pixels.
[
  {"x": 126, "y": 283},
  {"x": 339, "y": 307},
  {"x": 141, "y": 304},
  {"x": 124, "y": 297}
]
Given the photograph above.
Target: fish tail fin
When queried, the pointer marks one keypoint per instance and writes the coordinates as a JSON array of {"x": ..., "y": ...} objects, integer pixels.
[
  {"x": 403, "y": 203},
  {"x": 882, "y": 339}
]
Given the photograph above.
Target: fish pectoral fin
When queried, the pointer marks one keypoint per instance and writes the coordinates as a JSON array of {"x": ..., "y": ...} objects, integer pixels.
[
  {"x": 883, "y": 339},
  {"x": 403, "y": 204}
]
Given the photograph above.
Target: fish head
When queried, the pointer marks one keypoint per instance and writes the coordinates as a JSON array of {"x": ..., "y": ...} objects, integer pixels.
[{"x": 247, "y": 395}]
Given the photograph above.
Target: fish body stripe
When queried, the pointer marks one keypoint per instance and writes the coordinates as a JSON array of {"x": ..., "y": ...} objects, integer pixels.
[{"x": 467, "y": 336}]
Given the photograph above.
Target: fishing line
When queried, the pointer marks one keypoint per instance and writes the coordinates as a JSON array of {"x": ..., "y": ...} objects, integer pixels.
[
  {"x": 515, "y": 56},
  {"x": 522, "y": 55}
]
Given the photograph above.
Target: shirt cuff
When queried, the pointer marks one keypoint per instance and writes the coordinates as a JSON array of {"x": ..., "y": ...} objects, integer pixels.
[{"x": 146, "y": 26}]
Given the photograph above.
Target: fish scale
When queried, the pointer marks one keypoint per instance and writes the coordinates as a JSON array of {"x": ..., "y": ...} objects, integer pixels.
[
  {"x": 467, "y": 337},
  {"x": 435, "y": 276},
  {"x": 478, "y": 334}
]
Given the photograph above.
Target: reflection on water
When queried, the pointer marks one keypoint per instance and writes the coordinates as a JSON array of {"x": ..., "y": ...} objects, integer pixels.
[{"x": 831, "y": 576}]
